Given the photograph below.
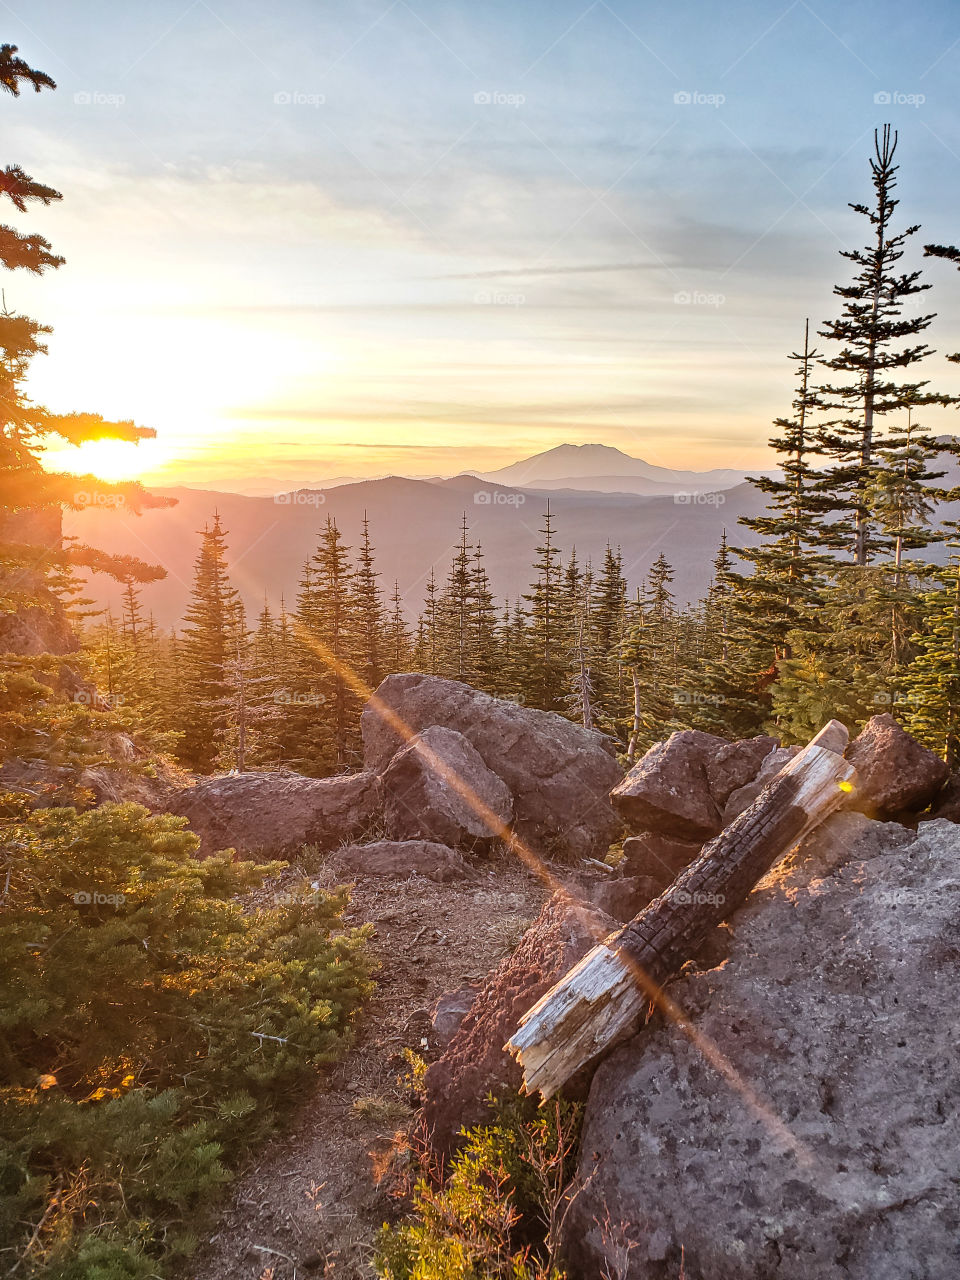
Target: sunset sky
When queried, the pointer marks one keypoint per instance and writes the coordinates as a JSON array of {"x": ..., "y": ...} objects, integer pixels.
[{"x": 311, "y": 240}]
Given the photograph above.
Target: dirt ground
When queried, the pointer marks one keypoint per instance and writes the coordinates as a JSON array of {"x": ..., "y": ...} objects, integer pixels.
[{"x": 313, "y": 1200}]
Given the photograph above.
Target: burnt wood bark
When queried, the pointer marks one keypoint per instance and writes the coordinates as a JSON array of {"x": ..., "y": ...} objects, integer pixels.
[{"x": 602, "y": 996}]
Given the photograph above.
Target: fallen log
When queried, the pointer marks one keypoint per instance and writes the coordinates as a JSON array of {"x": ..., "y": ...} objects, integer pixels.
[{"x": 602, "y": 996}]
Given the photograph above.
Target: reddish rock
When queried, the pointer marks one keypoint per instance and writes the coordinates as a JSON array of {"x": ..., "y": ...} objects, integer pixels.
[
  {"x": 428, "y": 787},
  {"x": 895, "y": 774},
  {"x": 558, "y": 773},
  {"x": 400, "y": 859},
  {"x": 658, "y": 857},
  {"x": 735, "y": 765},
  {"x": 623, "y": 897},
  {"x": 667, "y": 791},
  {"x": 744, "y": 796},
  {"x": 449, "y": 1011},
  {"x": 474, "y": 1063},
  {"x": 268, "y": 815}
]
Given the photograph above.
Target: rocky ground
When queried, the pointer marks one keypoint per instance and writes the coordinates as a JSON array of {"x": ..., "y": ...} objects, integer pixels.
[{"x": 312, "y": 1202}]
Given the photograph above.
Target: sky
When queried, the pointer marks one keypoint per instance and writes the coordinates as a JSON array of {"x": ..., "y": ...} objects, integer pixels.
[{"x": 307, "y": 240}]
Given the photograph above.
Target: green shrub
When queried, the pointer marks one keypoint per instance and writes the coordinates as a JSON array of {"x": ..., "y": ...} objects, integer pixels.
[
  {"x": 498, "y": 1213},
  {"x": 150, "y": 1029}
]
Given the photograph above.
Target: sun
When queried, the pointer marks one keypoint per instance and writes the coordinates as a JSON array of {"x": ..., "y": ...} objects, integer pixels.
[{"x": 112, "y": 460}]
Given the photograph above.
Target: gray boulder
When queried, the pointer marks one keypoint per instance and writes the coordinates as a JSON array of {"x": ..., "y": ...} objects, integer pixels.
[
  {"x": 558, "y": 773},
  {"x": 833, "y": 1154},
  {"x": 428, "y": 787},
  {"x": 270, "y": 815},
  {"x": 400, "y": 859},
  {"x": 744, "y": 796}
]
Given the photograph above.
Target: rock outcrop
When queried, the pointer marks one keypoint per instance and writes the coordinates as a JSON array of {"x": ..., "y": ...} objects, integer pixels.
[
  {"x": 438, "y": 788},
  {"x": 896, "y": 774},
  {"x": 830, "y": 1152},
  {"x": 474, "y": 1063},
  {"x": 269, "y": 815},
  {"x": 668, "y": 791},
  {"x": 558, "y": 773},
  {"x": 658, "y": 857},
  {"x": 400, "y": 859}
]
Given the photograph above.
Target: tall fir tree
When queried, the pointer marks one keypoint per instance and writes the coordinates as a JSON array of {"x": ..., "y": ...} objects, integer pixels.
[
  {"x": 371, "y": 618},
  {"x": 878, "y": 347},
  {"x": 328, "y": 698},
  {"x": 206, "y": 646}
]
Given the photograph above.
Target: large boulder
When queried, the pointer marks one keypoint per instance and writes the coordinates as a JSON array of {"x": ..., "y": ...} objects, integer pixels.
[
  {"x": 269, "y": 815},
  {"x": 656, "y": 856},
  {"x": 400, "y": 859},
  {"x": 736, "y": 764},
  {"x": 438, "y": 788},
  {"x": 558, "y": 773},
  {"x": 830, "y": 1149},
  {"x": 474, "y": 1063},
  {"x": 668, "y": 791},
  {"x": 744, "y": 796},
  {"x": 895, "y": 773}
]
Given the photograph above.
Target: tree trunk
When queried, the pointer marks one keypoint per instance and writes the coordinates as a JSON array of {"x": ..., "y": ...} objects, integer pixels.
[{"x": 602, "y": 996}]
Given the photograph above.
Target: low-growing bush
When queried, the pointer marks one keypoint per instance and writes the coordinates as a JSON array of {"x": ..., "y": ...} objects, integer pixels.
[
  {"x": 499, "y": 1211},
  {"x": 151, "y": 1028}
]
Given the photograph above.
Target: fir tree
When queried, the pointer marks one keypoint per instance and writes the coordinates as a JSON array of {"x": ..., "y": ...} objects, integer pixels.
[
  {"x": 370, "y": 614},
  {"x": 399, "y": 643},
  {"x": 207, "y": 644},
  {"x": 648, "y": 653},
  {"x": 545, "y": 677},
  {"x": 328, "y": 690},
  {"x": 932, "y": 679},
  {"x": 872, "y": 362}
]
